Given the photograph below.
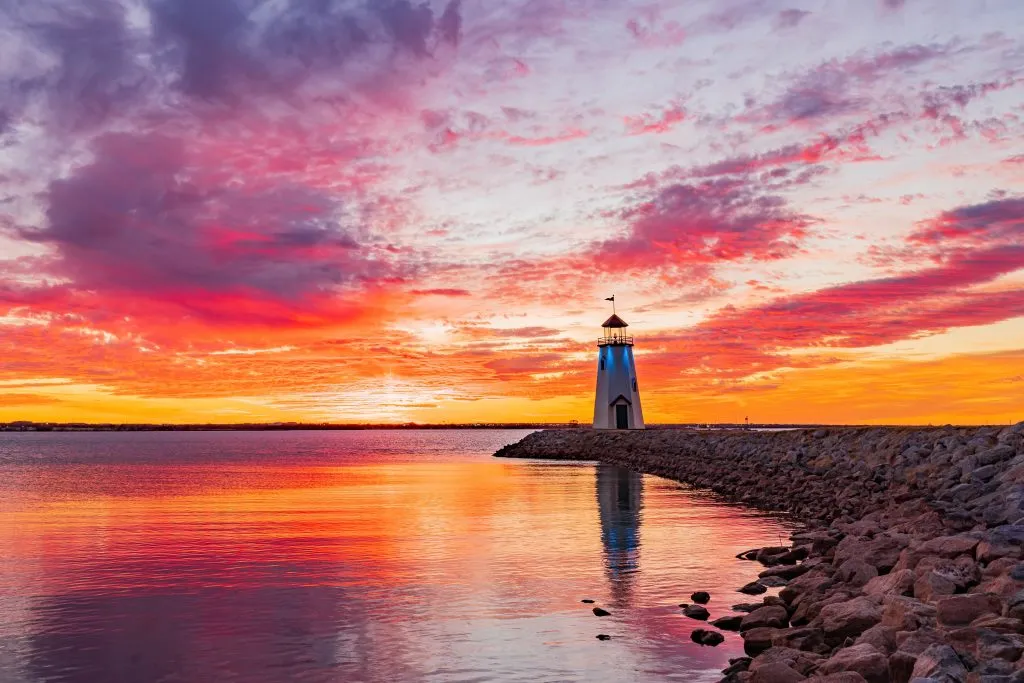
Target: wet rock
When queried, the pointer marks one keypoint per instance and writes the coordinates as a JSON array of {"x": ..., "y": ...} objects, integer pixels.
[
  {"x": 696, "y": 612},
  {"x": 961, "y": 610},
  {"x": 701, "y": 596},
  {"x": 598, "y": 612},
  {"x": 706, "y": 637},
  {"x": 757, "y": 640},
  {"x": 747, "y": 606},
  {"x": 587, "y": 601},
  {"x": 787, "y": 572},
  {"x": 863, "y": 659},
  {"x": 603, "y": 636},
  {"x": 729, "y": 623},
  {"x": 772, "y": 581},
  {"x": 753, "y": 588},
  {"x": 737, "y": 665}
]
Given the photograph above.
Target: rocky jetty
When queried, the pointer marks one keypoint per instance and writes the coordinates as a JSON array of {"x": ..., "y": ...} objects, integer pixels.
[{"x": 909, "y": 567}]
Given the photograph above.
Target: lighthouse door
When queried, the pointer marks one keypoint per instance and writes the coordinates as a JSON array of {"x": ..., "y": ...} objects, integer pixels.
[{"x": 622, "y": 416}]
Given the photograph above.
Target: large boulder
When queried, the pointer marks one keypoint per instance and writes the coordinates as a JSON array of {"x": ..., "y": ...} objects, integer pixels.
[
  {"x": 849, "y": 619},
  {"x": 864, "y": 659}
]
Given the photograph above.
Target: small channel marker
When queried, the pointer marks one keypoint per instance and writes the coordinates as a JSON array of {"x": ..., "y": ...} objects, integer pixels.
[{"x": 617, "y": 400}]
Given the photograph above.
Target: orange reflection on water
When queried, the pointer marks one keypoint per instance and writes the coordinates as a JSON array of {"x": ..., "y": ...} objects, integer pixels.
[{"x": 357, "y": 564}]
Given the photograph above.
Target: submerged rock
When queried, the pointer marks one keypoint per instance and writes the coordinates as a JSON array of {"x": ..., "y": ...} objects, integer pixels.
[{"x": 601, "y": 612}]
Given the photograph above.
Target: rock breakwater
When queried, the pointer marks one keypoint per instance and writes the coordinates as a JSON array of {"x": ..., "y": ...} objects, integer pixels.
[{"x": 909, "y": 567}]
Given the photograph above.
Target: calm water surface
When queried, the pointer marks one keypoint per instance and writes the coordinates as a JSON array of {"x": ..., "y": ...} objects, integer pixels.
[{"x": 351, "y": 556}]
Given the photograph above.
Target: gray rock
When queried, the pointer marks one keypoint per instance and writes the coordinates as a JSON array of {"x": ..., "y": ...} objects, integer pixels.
[{"x": 940, "y": 662}]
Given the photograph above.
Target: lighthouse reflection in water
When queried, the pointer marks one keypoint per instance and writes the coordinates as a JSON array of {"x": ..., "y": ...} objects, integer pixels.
[{"x": 620, "y": 501}]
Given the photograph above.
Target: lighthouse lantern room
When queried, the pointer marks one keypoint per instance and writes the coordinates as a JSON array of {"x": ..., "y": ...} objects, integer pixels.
[{"x": 617, "y": 401}]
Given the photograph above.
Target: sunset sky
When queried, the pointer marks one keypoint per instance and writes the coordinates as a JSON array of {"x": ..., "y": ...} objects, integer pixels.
[{"x": 377, "y": 210}]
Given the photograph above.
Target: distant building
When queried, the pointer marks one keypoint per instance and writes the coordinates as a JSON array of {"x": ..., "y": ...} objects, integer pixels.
[{"x": 617, "y": 400}]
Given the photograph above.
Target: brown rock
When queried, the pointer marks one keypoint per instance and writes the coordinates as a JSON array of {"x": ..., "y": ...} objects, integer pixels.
[
  {"x": 880, "y": 637},
  {"x": 881, "y": 552},
  {"x": 901, "y": 666},
  {"x": 769, "y": 615},
  {"x": 757, "y": 640},
  {"x": 961, "y": 610},
  {"x": 776, "y": 673},
  {"x": 805, "y": 638},
  {"x": 949, "y": 546},
  {"x": 850, "y": 618},
  {"x": 906, "y": 614},
  {"x": 811, "y": 582},
  {"x": 855, "y": 572},
  {"x": 863, "y": 659},
  {"x": 788, "y": 572},
  {"x": 845, "y": 677},
  {"x": 728, "y": 623},
  {"x": 932, "y": 586},
  {"x": 801, "y": 662},
  {"x": 753, "y": 588},
  {"x": 896, "y": 582}
]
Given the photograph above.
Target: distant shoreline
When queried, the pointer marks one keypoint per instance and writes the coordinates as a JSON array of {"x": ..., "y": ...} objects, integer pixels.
[{"x": 28, "y": 426}]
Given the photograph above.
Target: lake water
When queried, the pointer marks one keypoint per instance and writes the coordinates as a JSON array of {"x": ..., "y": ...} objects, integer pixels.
[{"x": 352, "y": 556}]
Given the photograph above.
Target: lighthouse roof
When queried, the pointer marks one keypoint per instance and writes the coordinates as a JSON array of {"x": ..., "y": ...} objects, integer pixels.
[{"x": 614, "y": 321}]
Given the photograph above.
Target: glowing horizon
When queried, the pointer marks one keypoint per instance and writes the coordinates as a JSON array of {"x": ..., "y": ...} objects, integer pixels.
[{"x": 229, "y": 211}]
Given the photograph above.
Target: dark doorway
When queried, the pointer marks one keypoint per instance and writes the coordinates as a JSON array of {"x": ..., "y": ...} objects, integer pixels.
[{"x": 621, "y": 417}]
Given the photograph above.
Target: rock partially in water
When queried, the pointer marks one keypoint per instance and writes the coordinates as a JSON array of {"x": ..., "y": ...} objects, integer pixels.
[
  {"x": 753, "y": 588},
  {"x": 603, "y": 636},
  {"x": 701, "y": 596},
  {"x": 704, "y": 636},
  {"x": 601, "y": 612},
  {"x": 729, "y": 623},
  {"x": 587, "y": 601},
  {"x": 696, "y": 612}
]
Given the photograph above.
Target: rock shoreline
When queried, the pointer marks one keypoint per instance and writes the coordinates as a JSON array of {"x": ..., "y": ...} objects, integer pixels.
[{"x": 909, "y": 568}]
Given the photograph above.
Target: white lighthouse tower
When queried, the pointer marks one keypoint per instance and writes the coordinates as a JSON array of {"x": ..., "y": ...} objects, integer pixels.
[{"x": 617, "y": 401}]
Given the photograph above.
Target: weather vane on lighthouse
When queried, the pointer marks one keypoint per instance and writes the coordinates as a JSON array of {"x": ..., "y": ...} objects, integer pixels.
[{"x": 617, "y": 400}]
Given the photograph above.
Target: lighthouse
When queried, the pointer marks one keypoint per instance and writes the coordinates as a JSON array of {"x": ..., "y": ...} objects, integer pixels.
[{"x": 617, "y": 401}]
